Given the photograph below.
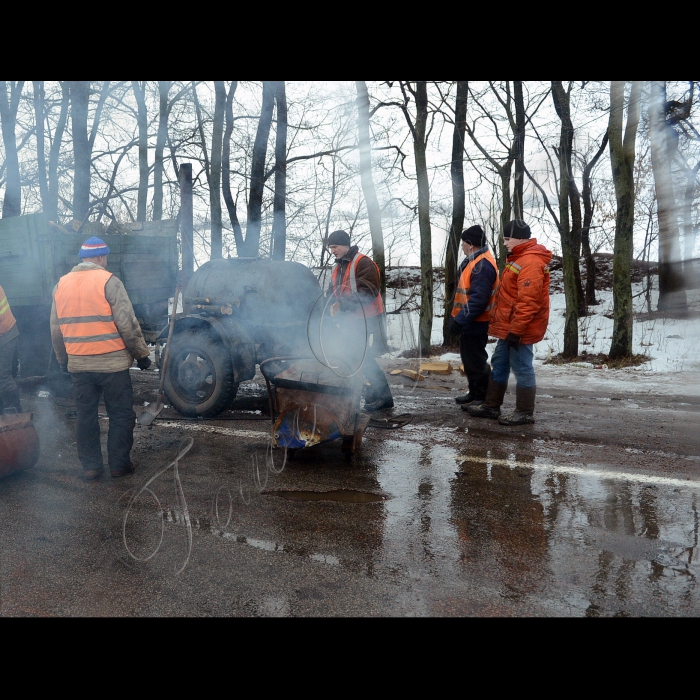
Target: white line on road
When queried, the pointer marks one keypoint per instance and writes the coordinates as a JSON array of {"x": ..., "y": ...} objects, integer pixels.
[
  {"x": 198, "y": 428},
  {"x": 584, "y": 471}
]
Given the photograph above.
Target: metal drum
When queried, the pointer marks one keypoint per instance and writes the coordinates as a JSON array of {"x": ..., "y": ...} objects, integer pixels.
[{"x": 19, "y": 443}]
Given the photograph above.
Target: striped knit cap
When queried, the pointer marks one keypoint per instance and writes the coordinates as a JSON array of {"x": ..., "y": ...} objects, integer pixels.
[{"x": 93, "y": 247}]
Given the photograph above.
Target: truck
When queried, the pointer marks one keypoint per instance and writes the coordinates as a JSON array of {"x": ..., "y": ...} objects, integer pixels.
[
  {"x": 235, "y": 312},
  {"x": 35, "y": 253}
]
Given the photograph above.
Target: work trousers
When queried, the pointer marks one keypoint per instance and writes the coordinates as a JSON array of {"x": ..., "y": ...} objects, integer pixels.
[
  {"x": 505, "y": 358},
  {"x": 119, "y": 402},
  {"x": 472, "y": 348},
  {"x": 9, "y": 391}
]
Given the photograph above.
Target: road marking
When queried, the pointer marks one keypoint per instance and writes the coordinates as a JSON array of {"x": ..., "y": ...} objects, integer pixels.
[{"x": 582, "y": 471}]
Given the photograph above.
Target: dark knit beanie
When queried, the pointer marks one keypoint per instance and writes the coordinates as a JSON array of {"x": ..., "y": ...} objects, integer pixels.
[
  {"x": 516, "y": 229},
  {"x": 338, "y": 238},
  {"x": 474, "y": 235}
]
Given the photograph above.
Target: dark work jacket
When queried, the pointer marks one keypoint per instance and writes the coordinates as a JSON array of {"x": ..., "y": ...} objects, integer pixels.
[{"x": 480, "y": 288}]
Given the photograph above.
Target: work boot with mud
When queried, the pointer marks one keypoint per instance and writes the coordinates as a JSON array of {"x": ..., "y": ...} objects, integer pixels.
[
  {"x": 524, "y": 407},
  {"x": 491, "y": 408}
]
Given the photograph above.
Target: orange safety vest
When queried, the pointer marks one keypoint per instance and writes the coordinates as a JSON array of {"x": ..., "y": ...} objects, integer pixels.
[
  {"x": 462, "y": 291},
  {"x": 7, "y": 320},
  {"x": 84, "y": 314},
  {"x": 349, "y": 285}
]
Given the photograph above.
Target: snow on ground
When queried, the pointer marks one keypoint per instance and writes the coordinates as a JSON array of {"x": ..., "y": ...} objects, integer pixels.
[{"x": 672, "y": 344}]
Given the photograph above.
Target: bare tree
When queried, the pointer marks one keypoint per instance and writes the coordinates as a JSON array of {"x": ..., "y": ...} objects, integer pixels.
[
  {"x": 9, "y": 103},
  {"x": 215, "y": 180},
  {"x": 373, "y": 211},
  {"x": 664, "y": 144},
  {"x": 458, "y": 205},
  {"x": 419, "y": 132},
  {"x": 622, "y": 155},
  {"x": 279, "y": 222}
]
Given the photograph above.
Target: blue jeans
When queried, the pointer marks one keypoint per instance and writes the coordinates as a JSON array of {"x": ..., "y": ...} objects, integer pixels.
[{"x": 505, "y": 358}]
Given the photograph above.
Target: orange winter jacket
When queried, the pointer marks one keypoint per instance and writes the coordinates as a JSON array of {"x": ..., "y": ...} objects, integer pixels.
[{"x": 522, "y": 301}]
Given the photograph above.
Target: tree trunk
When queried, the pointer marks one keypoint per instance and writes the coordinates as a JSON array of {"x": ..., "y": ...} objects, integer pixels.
[
  {"x": 691, "y": 175},
  {"x": 39, "y": 118},
  {"x": 425, "y": 324},
  {"x": 622, "y": 164},
  {"x": 79, "y": 95},
  {"x": 12, "y": 203},
  {"x": 454, "y": 236},
  {"x": 142, "y": 123},
  {"x": 161, "y": 137},
  {"x": 257, "y": 172},
  {"x": 52, "y": 207},
  {"x": 672, "y": 295},
  {"x": 504, "y": 173},
  {"x": 215, "y": 180},
  {"x": 226, "y": 172},
  {"x": 587, "y": 196},
  {"x": 374, "y": 214},
  {"x": 568, "y": 250},
  {"x": 519, "y": 150},
  {"x": 279, "y": 222}
]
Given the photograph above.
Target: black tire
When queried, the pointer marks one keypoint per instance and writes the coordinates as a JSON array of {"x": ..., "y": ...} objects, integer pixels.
[{"x": 199, "y": 377}]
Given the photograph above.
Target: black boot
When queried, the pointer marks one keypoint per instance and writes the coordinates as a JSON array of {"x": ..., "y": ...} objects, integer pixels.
[
  {"x": 491, "y": 408},
  {"x": 467, "y": 398},
  {"x": 10, "y": 400},
  {"x": 524, "y": 408}
]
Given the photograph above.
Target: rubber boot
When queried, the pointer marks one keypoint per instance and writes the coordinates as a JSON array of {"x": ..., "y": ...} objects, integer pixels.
[
  {"x": 524, "y": 407},
  {"x": 491, "y": 408}
]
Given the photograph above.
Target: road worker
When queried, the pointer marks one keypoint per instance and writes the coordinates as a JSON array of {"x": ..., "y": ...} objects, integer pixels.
[
  {"x": 520, "y": 318},
  {"x": 471, "y": 312},
  {"x": 9, "y": 391},
  {"x": 357, "y": 302},
  {"x": 96, "y": 337}
]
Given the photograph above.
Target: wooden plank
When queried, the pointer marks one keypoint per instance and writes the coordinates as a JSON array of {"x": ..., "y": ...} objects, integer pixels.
[{"x": 436, "y": 367}]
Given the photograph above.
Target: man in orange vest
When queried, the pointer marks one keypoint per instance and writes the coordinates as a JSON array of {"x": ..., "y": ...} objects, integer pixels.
[
  {"x": 9, "y": 391},
  {"x": 357, "y": 297},
  {"x": 471, "y": 312},
  {"x": 96, "y": 338}
]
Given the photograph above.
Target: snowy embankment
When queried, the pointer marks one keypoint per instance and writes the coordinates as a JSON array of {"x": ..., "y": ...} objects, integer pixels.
[{"x": 673, "y": 345}]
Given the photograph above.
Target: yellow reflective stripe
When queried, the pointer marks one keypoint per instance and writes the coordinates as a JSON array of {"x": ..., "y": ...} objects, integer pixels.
[
  {"x": 4, "y": 306},
  {"x": 513, "y": 268},
  {"x": 546, "y": 270}
]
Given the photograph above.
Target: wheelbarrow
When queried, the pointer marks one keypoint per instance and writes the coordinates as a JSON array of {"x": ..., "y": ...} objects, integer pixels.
[
  {"x": 311, "y": 404},
  {"x": 19, "y": 443}
]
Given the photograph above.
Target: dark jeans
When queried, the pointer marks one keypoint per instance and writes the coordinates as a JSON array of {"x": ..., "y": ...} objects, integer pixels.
[
  {"x": 119, "y": 402},
  {"x": 9, "y": 391},
  {"x": 472, "y": 348}
]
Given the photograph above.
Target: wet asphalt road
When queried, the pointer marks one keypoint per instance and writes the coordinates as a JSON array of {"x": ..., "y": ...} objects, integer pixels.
[{"x": 592, "y": 511}]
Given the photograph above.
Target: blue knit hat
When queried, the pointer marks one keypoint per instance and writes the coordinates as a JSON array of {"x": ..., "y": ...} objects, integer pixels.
[{"x": 93, "y": 247}]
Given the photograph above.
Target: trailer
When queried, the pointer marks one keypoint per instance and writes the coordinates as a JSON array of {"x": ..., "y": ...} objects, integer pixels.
[{"x": 35, "y": 253}]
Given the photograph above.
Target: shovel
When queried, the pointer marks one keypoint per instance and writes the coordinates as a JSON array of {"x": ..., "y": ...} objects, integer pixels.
[{"x": 149, "y": 415}]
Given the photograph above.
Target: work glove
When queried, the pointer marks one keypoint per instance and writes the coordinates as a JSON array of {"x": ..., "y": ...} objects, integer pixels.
[
  {"x": 143, "y": 362},
  {"x": 513, "y": 341}
]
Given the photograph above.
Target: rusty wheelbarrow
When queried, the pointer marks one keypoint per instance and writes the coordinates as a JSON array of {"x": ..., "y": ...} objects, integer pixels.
[
  {"x": 19, "y": 443},
  {"x": 311, "y": 404}
]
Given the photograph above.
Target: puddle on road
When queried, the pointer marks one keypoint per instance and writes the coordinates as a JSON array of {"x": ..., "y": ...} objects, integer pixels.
[{"x": 341, "y": 495}]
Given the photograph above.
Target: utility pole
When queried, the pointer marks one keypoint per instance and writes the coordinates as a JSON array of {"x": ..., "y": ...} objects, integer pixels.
[{"x": 186, "y": 223}]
